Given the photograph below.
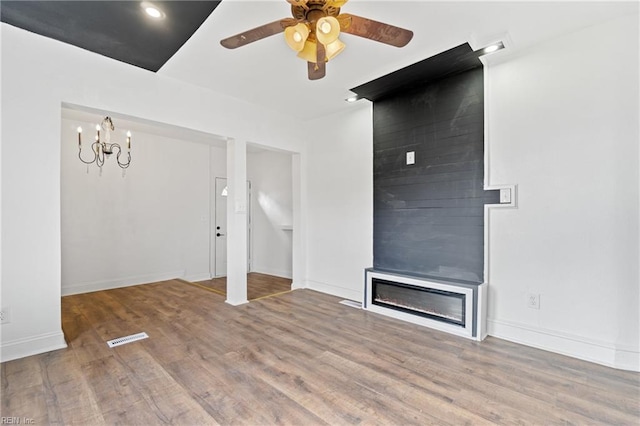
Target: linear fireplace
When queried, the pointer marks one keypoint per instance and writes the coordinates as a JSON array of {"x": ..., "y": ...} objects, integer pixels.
[
  {"x": 441, "y": 305},
  {"x": 455, "y": 307}
]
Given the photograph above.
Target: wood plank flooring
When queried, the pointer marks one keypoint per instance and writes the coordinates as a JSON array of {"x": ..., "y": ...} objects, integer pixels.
[
  {"x": 299, "y": 358},
  {"x": 258, "y": 285}
]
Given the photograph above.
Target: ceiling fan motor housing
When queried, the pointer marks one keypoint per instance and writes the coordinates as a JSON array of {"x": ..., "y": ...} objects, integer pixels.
[{"x": 313, "y": 10}]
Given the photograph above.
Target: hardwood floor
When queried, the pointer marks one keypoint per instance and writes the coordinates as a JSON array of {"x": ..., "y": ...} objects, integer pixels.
[
  {"x": 258, "y": 285},
  {"x": 299, "y": 358}
]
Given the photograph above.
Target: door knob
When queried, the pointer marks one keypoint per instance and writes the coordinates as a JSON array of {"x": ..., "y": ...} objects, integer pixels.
[{"x": 219, "y": 235}]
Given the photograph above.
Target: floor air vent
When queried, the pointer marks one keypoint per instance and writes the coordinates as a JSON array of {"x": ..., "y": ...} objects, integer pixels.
[{"x": 127, "y": 339}]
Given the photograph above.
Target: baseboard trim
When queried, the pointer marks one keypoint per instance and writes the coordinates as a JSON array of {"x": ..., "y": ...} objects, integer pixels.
[
  {"x": 236, "y": 302},
  {"x": 197, "y": 277},
  {"x": 273, "y": 272},
  {"x": 296, "y": 285},
  {"x": 33, "y": 345},
  {"x": 599, "y": 352},
  {"x": 68, "y": 290},
  {"x": 345, "y": 293}
]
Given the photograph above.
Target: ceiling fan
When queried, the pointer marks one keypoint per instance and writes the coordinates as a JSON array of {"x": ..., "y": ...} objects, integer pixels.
[{"x": 314, "y": 30}]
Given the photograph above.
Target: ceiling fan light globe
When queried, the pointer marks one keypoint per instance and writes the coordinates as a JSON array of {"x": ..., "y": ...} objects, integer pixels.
[
  {"x": 309, "y": 52},
  {"x": 325, "y": 27},
  {"x": 296, "y": 36},
  {"x": 333, "y": 49},
  {"x": 336, "y": 3},
  {"x": 327, "y": 30}
]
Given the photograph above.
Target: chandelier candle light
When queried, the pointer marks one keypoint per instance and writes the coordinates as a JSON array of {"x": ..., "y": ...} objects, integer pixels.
[{"x": 103, "y": 149}]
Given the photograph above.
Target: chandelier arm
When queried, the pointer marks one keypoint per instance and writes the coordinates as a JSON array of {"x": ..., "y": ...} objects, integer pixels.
[
  {"x": 87, "y": 162},
  {"x": 99, "y": 154},
  {"x": 122, "y": 165}
]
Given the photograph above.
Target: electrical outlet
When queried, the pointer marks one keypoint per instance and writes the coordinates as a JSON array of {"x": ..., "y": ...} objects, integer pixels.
[
  {"x": 5, "y": 315},
  {"x": 533, "y": 301}
]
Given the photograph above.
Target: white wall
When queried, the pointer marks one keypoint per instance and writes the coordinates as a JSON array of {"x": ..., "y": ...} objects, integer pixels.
[
  {"x": 38, "y": 75},
  {"x": 150, "y": 225},
  {"x": 271, "y": 210},
  {"x": 563, "y": 126},
  {"x": 339, "y": 203}
]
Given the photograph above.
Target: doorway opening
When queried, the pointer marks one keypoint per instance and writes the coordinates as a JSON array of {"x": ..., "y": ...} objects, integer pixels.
[
  {"x": 270, "y": 206},
  {"x": 219, "y": 234}
]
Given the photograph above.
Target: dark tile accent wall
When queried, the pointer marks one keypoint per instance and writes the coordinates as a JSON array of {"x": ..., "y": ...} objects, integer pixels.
[{"x": 429, "y": 217}]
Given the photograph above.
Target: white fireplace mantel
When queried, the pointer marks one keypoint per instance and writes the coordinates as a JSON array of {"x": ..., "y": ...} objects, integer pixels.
[{"x": 475, "y": 299}]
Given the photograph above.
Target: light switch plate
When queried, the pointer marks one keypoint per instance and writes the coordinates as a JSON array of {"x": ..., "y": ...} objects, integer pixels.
[
  {"x": 5, "y": 315},
  {"x": 505, "y": 196},
  {"x": 411, "y": 157}
]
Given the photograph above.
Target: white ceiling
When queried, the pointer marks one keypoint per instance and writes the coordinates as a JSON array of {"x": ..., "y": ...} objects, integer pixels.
[{"x": 268, "y": 73}]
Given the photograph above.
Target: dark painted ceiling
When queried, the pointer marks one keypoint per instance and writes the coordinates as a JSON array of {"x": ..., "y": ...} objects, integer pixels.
[
  {"x": 117, "y": 29},
  {"x": 453, "y": 61}
]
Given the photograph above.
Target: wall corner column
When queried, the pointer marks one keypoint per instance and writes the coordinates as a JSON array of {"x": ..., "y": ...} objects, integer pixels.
[
  {"x": 236, "y": 222},
  {"x": 299, "y": 252}
]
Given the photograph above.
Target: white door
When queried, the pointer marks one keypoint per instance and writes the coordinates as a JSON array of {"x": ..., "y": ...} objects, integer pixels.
[{"x": 220, "y": 233}]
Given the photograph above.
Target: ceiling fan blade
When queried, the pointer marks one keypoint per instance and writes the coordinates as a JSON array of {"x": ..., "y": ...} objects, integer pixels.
[
  {"x": 318, "y": 69},
  {"x": 257, "y": 33},
  {"x": 374, "y": 30}
]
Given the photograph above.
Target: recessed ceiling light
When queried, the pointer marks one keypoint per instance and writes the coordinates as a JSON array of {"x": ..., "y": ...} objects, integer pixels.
[
  {"x": 152, "y": 10},
  {"x": 352, "y": 99},
  {"x": 492, "y": 48}
]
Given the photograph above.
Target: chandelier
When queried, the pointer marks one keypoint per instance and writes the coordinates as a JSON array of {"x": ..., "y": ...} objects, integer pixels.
[{"x": 103, "y": 148}]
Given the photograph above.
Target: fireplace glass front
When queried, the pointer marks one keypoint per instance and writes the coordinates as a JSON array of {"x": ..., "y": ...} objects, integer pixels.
[{"x": 432, "y": 303}]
